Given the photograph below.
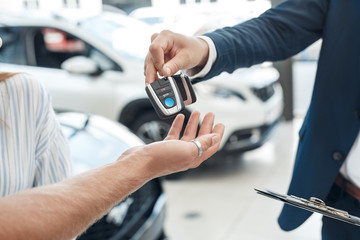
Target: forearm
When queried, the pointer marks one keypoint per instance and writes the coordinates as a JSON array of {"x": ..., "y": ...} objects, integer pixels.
[
  {"x": 66, "y": 209},
  {"x": 276, "y": 35}
]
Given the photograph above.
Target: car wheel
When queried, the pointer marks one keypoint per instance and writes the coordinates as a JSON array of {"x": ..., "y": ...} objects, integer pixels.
[{"x": 150, "y": 128}]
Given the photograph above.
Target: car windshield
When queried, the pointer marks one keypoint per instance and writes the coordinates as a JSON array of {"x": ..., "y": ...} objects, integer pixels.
[{"x": 126, "y": 35}]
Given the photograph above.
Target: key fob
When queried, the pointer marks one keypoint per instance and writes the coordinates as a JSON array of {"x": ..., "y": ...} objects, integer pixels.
[
  {"x": 185, "y": 88},
  {"x": 165, "y": 97}
]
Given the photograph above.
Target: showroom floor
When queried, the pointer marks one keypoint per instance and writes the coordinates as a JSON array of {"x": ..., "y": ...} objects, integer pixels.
[{"x": 219, "y": 202}]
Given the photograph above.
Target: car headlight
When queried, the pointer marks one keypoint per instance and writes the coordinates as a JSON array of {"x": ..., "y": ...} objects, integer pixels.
[{"x": 220, "y": 92}]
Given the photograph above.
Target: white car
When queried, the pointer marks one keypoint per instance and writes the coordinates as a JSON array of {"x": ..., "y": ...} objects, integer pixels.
[{"x": 95, "y": 65}]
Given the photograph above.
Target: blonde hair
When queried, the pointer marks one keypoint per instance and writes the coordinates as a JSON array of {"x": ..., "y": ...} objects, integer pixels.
[{"x": 6, "y": 75}]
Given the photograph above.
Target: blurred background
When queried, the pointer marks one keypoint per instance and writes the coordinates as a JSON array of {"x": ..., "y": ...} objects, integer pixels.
[{"x": 89, "y": 55}]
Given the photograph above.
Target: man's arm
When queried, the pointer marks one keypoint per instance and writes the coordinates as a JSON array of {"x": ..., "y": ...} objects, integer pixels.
[
  {"x": 65, "y": 209},
  {"x": 277, "y": 34}
]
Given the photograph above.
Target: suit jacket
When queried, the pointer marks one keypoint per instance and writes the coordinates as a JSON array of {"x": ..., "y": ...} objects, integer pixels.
[{"x": 332, "y": 122}]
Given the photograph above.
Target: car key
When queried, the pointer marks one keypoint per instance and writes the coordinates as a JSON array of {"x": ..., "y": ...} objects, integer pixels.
[
  {"x": 185, "y": 88},
  {"x": 165, "y": 97}
]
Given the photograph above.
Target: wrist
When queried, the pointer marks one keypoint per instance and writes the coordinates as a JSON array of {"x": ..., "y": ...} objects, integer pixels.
[
  {"x": 208, "y": 58},
  {"x": 203, "y": 45},
  {"x": 136, "y": 164}
]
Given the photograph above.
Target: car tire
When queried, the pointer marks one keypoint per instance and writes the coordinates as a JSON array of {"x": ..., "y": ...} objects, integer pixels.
[{"x": 150, "y": 128}]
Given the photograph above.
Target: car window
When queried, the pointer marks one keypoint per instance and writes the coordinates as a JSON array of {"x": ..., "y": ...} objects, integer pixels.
[
  {"x": 13, "y": 48},
  {"x": 52, "y": 47},
  {"x": 103, "y": 62},
  {"x": 127, "y": 36}
]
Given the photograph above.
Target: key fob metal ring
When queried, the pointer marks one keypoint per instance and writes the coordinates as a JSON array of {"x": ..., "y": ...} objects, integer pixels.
[{"x": 185, "y": 87}]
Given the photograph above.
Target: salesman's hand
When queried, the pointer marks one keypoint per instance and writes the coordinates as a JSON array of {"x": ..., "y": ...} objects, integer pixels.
[
  {"x": 170, "y": 52},
  {"x": 174, "y": 154}
]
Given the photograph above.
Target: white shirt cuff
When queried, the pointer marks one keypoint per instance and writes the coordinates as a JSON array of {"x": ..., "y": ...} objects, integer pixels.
[{"x": 198, "y": 72}]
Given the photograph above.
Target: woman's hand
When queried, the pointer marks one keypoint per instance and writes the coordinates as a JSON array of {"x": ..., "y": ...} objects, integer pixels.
[{"x": 174, "y": 154}]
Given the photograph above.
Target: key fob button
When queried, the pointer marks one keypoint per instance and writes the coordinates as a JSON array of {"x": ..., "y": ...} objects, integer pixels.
[
  {"x": 169, "y": 102},
  {"x": 163, "y": 90},
  {"x": 166, "y": 95}
]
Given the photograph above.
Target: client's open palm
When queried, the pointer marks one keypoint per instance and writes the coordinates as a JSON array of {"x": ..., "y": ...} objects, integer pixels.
[{"x": 174, "y": 154}]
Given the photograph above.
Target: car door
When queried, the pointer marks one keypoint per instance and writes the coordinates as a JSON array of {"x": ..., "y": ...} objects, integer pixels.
[
  {"x": 45, "y": 49},
  {"x": 70, "y": 91}
]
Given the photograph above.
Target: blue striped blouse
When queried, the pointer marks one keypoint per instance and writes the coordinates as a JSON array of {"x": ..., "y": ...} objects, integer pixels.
[{"x": 33, "y": 150}]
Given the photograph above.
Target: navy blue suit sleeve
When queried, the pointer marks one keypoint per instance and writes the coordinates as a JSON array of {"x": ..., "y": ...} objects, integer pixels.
[{"x": 277, "y": 34}]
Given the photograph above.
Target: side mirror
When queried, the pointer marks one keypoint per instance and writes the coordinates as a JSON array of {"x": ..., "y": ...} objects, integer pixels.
[{"x": 81, "y": 65}]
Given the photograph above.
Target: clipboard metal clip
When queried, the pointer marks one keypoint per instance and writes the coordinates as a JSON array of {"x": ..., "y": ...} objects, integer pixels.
[{"x": 319, "y": 204}]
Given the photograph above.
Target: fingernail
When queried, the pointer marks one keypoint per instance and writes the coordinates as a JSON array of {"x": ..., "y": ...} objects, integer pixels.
[
  {"x": 166, "y": 71},
  {"x": 215, "y": 139}
]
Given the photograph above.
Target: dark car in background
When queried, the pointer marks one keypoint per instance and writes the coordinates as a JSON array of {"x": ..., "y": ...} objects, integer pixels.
[{"x": 96, "y": 141}]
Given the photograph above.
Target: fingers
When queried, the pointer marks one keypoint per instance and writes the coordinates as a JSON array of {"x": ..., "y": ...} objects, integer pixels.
[
  {"x": 207, "y": 124},
  {"x": 219, "y": 129},
  {"x": 175, "y": 64},
  {"x": 165, "y": 157},
  {"x": 185, "y": 53},
  {"x": 191, "y": 127},
  {"x": 155, "y": 58},
  {"x": 150, "y": 71},
  {"x": 209, "y": 136},
  {"x": 159, "y": 47},
  {"x": 207, "y": 141},
  {"x": 174, "y": 132},
  {"x": 164, "y": 56},
  {"x": 170, "y": 52},
  {"x": 154, "y": 36},
  {"x": 210, "y": 144}
]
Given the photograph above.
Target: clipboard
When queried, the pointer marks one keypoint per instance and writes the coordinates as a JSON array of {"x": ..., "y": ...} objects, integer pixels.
[{"x": 312, "y": 205}]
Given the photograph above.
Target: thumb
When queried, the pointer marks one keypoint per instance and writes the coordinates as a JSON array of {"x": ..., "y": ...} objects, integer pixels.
[{"x": 174, "y": 65}]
